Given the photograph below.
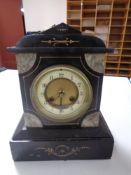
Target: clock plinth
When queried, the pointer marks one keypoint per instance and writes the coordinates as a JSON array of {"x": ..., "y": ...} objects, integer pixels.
[
  {"x": 62, "y": 144},
  {"x": 61, "y": 74}
]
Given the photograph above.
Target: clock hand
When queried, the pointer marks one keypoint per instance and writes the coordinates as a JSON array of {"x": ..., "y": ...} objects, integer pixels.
[
  {"x": 61, "y": 94},
  {"x": 61, "y": 99}
]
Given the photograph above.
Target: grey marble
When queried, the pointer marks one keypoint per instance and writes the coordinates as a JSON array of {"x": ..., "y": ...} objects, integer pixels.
[
  {"x": 32, "y": 121},
  {"x": 95, "y": 62},
  {"x": 25, "y": 61},
  {"x": 91, "y": 120}
]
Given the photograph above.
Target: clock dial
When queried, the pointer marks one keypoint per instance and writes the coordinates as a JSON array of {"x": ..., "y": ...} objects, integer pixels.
[{"x": 61, "y": 93}]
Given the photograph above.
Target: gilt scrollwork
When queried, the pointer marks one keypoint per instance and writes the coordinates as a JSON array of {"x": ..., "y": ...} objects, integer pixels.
[
  {"x": 54, "y": 41},
  {"x": 62, "y": 150}
]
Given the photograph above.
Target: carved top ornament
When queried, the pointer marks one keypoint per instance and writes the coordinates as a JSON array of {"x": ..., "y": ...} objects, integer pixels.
[{"x": 62, "y": 38}]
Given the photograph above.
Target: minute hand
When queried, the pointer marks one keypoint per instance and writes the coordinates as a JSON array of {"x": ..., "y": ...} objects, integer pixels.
[{"x": 61, "y": 99}]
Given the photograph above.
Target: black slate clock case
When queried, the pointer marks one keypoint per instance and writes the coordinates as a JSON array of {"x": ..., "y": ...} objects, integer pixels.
[
  {"x": 45, "y": 62},
  {"x": 60, "y": 45}
]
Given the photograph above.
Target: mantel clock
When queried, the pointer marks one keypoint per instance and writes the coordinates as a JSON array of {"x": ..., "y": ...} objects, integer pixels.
[{"x": 61, "y": 73}]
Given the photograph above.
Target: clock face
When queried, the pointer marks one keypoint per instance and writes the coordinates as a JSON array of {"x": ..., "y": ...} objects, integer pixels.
[{"x": 61, "y": 93}]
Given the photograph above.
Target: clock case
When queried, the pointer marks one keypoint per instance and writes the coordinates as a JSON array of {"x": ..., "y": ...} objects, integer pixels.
[{"x": 37, "y": 138}]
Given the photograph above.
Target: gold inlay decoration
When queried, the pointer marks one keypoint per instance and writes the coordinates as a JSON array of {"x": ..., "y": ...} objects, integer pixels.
[
  {"x": 62, "y": 150},
  {"x": 54, "y": 42}
]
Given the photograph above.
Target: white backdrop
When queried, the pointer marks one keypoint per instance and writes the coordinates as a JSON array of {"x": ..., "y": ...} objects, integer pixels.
[{"x": 42, "y": 14}]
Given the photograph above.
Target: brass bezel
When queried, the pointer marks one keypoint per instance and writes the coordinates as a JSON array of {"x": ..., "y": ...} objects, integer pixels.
[{"x": 57, "y": 117}]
